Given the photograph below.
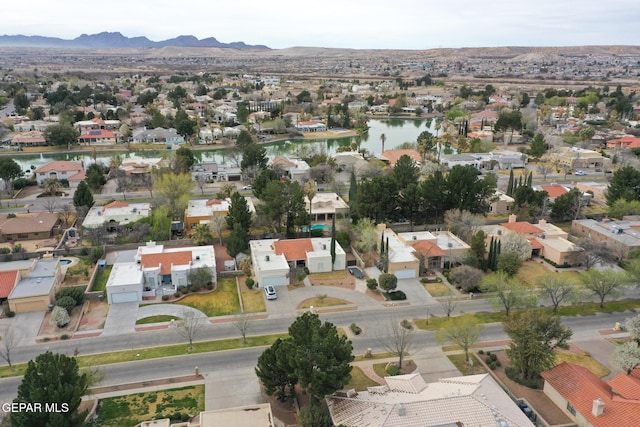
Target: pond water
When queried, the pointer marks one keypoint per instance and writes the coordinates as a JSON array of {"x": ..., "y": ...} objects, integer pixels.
[{"x": 396, "y": 131}]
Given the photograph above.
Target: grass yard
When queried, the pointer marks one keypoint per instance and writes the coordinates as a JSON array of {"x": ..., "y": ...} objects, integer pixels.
[
  {"x": 331, "y": 275},
  {"x": 584, "y": 360},
  {"x": 379, "y": 368},
  {"x": 463, "y": 367},
  {"x": 531, "y": 270},
  {"x": 155, "y": 319},
  {"x": 134, "y": 408},
  {"x": 374, "y": 356},
  {"x": 322, "y": 302},
  {"x": 221, "y": 302},
  {"x": 252, "y": 301},
  {"x": 437, "y": 289},
  {"x": 100, "y": 283},
  {"x": 359, "y": 381}
]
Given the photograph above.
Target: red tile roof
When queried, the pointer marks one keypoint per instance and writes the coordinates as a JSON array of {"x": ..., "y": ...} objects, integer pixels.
[
  {"x": 293, "y": 250},
  {"x": 166, "y": 260},
  {"x": 522, "y": 227},
  {"x": 115, "y": 204},
  {"x": 98, "y": 134},
  {"x": 80, "y": 176},
  {"x": 394, "y": 155},
  {"x": 429, "y": 249},
  {"x": 7, "y": 282},
  {"x": 580, "y": 387},
  {"x": 214, "y": 202},
  {"x": 535, "y": 244},
  {"x": 60, "y": 166},
  {"x": 554, "y": 190}
]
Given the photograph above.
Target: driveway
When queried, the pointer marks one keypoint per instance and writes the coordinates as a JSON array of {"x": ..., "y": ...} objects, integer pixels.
[
  {"x": 231, "y": 388},
  {"x": 416, "y": 293},
  {"x": 176, "y": 310},
  {"x": 25, "y": 327},
  {"x": 121, "y": 319},
  {"x": 281, "y": 306}
]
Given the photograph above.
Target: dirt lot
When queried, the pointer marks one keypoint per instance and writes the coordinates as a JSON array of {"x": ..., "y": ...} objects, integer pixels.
[
  {"x": 90, "y": 316},
  {"x": 94, "y": 316}
]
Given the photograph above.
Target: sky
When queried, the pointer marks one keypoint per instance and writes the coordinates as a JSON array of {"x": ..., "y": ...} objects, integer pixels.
[{"x": 359, "y": 24}]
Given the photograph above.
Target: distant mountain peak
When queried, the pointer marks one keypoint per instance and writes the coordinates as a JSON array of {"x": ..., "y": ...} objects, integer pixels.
[{"x": 116, "y": 40}]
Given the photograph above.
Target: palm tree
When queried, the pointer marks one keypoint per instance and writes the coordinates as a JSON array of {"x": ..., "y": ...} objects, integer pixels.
[
  {"x": 50, "y": 186},
  {"x": 310, "y": 191},
  {"x": 383, "y": 138},
  {"x": 201, "y": 235}
]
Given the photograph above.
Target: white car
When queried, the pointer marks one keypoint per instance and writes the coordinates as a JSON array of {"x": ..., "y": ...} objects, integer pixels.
[
  {"x": 581, "y": 173},
  {"x": 247, "y": 187},
  {"x": 270, "y": 292}
]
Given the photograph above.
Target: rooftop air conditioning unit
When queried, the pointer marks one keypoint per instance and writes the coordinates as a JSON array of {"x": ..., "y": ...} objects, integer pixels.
[
  {"x": 197, "y": 257},
  {"x": 266, "y": 258},
  {"x": 414, "y": 238}
]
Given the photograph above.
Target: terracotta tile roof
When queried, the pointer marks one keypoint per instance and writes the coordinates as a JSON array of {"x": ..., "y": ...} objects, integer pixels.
[
  {"x": 7, "y": 282},
  {"x": 394, "y": 155},
  {"x": 115, "y": 204},
  {"x": 522, "y": 227},
  {"x": 554, "y": 190},
  {"x": 580, "y": 387},
  {"x": 60, "y": 166},
  {"x": 535, "y": 244},
  {"x": 214, "y": 202},
  {"x": 429, "y": 249},
  {"x": 626, "y": 386},
  {"x": 293, "y": 250},
  {"x": 98, "y": 134},
  {"x": 80, "y": 176},
  {"x": 166, "y": 260}
]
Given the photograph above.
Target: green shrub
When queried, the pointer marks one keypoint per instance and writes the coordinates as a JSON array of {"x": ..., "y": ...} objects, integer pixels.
[
  {"x": 424, "y": 280},
  {"x": 59, "y": 317},
  {"x": 488, "y": 360},
  {"x": 96, "y": 254},
  {"x": 10, "y": 313},
  {"x": 20, "y": 183},
  {"x": 372, "y": 284},
  {"x": 177, "y": 294},
  {"x": 355, "y": 329},
  {"x": 250, "y": 282},
  {"x": 74, "y": 292},
  {"x": 306, "y": 270},
  {"x": 393, "y": 370},
  {"x": 481, "y": 351},
  {"x": 513, "y": 374},
  {"x": 497, "y": 363},
  {"x": 406, "y": 324},
  {"x": 67, "y": 303},
  {"x": 494, "y": 357},
  {"x": 64, "y": 337},
  {"x": 194, "y": 288},
  {"x": 492, "y": 366},
  {"x": 317, "y": 233},
  {"x": 210, "y": 287},
  {"x": 5, "y": 251},
  {"x": 165, "y": 297},
  {"x": 397, "y": 296}
]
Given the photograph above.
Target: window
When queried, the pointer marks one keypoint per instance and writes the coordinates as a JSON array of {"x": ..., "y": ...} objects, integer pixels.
[{"x": 570, "y": 408}]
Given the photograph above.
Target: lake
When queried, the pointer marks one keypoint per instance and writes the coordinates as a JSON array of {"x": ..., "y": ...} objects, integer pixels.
[{"x": 397, "y": 132}]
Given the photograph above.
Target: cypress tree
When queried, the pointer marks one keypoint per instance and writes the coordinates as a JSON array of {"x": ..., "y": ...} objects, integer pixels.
[
  {"x": 530, "y": 179},
  {"x": 490, "y": 255},
  {"x": 510, "y": 184},
  {"x": 333, "y": 241}
]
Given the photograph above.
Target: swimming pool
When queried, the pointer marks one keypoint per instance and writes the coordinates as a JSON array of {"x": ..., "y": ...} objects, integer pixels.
[{"x": 65, "y": 261}]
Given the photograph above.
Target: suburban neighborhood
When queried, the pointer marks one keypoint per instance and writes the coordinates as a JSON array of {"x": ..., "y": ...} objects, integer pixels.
[{"x": 398, "y": 242}]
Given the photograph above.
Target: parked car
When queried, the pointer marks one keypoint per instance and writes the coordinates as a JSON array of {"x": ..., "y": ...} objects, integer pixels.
[
  {"x": 581, "y": 173},
  {"x": 355, "y": 271},
  {"x": 270, "y": 292},
  {"x": 247, "y": 187}
]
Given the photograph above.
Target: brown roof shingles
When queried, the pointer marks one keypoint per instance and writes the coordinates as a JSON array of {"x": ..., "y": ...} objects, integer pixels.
[{"x": 34, "y": 223}]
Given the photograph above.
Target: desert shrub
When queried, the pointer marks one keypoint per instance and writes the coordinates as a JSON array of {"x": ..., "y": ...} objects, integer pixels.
[
  {"x": 355, "y": 329},
  {"x": 5, "y": 251},
  {"x": 250, "y": 282},
  {"x": 397, "y": 296},
  {"x": 17, "y": 248},
  {"x": 10, "y": 313},
  {"x": 406, "y": 324},
  {"x": 481, "y": 351},
  {"x": 64, "y": 337},
  {"x": 494, "y": 357},
  {"x": 76, "y": 293},
  {"x": 393, "y": 370},
  {"x": 67, "y": 303},
  {"x": 59, "y": 317},
  {"x": 165, "y": 297},
  {"x": 372, "y": 284}
]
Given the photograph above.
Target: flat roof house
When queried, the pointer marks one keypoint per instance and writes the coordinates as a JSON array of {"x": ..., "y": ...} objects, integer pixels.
[
  {"x": 36, "y": 284},
  {"x": 326, "y": 206},
  {"x": 619, "y": 236},
  {"x": 201, "y": 211},
  {"x": 115, "y": 214}
]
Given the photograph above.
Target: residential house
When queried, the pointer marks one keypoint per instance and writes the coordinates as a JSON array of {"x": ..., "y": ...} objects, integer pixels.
[
  {"x": 138, "y": 167},
  {"x": 259, "y": 415},
  {"x": 158, "y": 136},
  {"x": 34, "y": 226},
  {"x": 273, "y": 259},
  {"x": 295, "y": 169},
  {"x": 391, "y": 156},
  {"x": 351, "y": 160},
  {"x": 310, "y": 126},
  {"x": 598, "y": 190},
  {"x": 201, "y": 211},
  {"x": 35, "y": 283},
  {"x": 58, "y": 169},
  {"x": 28, "y": 126},
  {"x": 627, "y": 141},
  {"x": 501, "y": 203},
  {"x": 32, "y": 138},
  {"x": 85, "y": 126},
  {"x": 326, "y": 206},
  {"x": 553, "y": 190},
  {"x": 98, "y": 137},
  {"x": 116, "y": 214},
  {"x": 619, "y": 236},
  {"x": 157, "y": 270},
  {"x": 590, "y": 401},
  {"x": 578, "y": 158},
  {"x": 407, "y": 400}
]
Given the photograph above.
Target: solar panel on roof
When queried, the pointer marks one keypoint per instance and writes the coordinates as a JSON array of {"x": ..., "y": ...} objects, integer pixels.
[{"x": 94, "y": 132}]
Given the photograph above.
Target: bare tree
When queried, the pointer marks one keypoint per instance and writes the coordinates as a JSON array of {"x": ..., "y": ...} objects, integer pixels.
[
  {"x": 201, "y": 180},
  {"x": 557, "y": 289},
  {"x": 397, "y": 340},
  {"x": 218, "y": 224},
  {"x": 545, "y": 169},
  {"x": 51, "y": 204},
  {"x": 65, "y": 213},
  {"x": 191, "y": 325},
  {"x": 123, "y": 183},
  {"x": 464, "y": 331},
  {"x": 448, "y": 305},
  {"x": 9, "y": 341},
  {"x": 243, "y": 322},
  {"x": 595, "y": 253},
  {"x": 463, "y": 224}
]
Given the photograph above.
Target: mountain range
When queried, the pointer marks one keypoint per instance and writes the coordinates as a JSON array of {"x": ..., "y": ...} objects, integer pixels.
[{"x": 106, "y": 40}]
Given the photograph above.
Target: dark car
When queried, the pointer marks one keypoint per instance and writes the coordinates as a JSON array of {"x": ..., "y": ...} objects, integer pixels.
[{"x": 355, "y": 271}]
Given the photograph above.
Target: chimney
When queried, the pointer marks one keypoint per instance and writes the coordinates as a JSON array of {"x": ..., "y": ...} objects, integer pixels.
[
  {"x": 542, "y": 222},
  {"x": 598, "y": 407},
  {"x": 512, "y": 218}
]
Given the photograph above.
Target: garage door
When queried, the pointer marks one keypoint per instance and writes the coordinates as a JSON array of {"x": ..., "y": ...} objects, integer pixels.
[
  {"x": 405, "y": 274},
  {"x": 274, "y": 281},
  {"x": 124, "y": 297},
  {"x": 26, "y": 306}
]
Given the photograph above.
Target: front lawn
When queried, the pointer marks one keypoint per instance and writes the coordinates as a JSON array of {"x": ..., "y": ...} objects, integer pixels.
[
  {"x": 322, "y": 302},
  {"x": 331, "y": 275},
  {"x": 100, "y": 283},
  {"x": 221, "y": 302},
  {"x": 531, "y": 270},
  {"x": 584, "y": 360},
  {"x": 156, "y": 319},
  {"x": 252, "y": 300},
  {"x": 437, "y": 289},
  {"x": 464, "y": 367},
  {"x": 132, "y": 409},
  {"x": 359, "y": 381}
]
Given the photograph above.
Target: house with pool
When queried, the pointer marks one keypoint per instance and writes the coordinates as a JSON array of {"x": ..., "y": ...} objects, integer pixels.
[{"x": 157, "y": 270}]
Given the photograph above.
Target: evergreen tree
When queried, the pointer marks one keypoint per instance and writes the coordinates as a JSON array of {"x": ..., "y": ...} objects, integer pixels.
[
  {"x": 510, "y": 190},
  {"x": 237, "y": 241},
  {"x": 83, "y": 196},
  {"x": 275, "y": 370},
  {"x": 239, "y": 212},
  {"x": 333, "y": 240},
  {"x": 51, "y": 379},
  {"x": 353, "y": 192}
]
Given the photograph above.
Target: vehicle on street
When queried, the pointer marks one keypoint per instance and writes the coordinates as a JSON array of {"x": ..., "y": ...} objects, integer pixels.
[
  {"x": 355, "y": 271},
  {"x": 581, "y": 173},
  {"x": 270, "y": 292},
  {"x": 247, "y": 187}
]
